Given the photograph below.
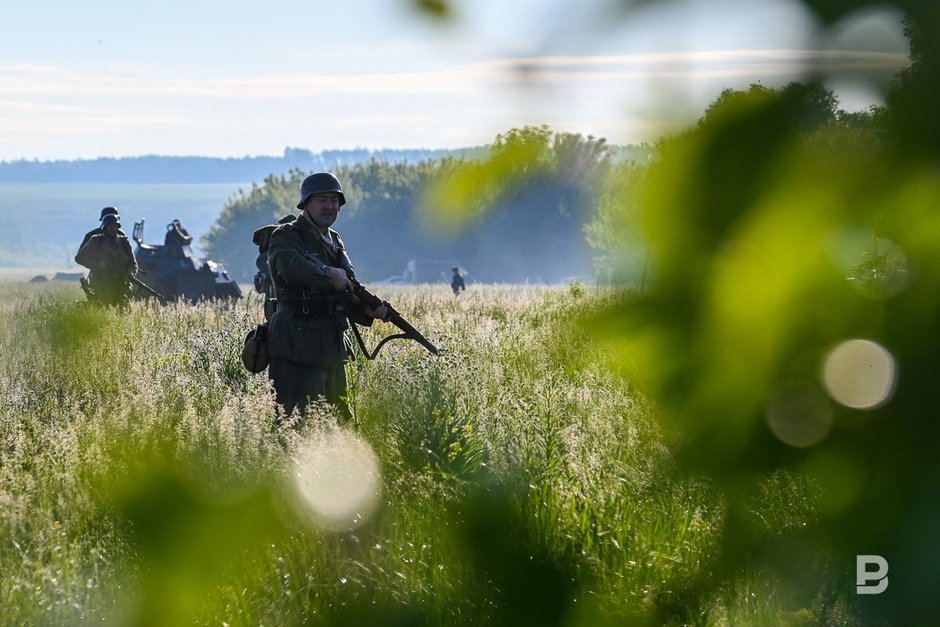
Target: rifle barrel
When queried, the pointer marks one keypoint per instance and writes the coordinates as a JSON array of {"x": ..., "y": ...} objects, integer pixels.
[{"x": 146, "y": 287}]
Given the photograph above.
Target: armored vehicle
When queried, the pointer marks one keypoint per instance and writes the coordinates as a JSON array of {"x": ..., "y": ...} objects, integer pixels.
[{"x": 173, "y": 270}]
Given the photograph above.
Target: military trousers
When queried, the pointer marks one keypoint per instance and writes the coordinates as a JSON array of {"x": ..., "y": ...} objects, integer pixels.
[
  {"x": 110, "y": 290},
  {"x": 296, "y": 386}
]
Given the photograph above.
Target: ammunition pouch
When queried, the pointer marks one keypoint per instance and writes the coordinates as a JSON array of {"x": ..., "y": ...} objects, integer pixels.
[{"x": 255, "y": 352}]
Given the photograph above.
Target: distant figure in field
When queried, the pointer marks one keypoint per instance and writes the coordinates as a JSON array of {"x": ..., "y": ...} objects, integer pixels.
[
  {"x": 457, "y": 283},
  {"x": 109, "y": 257},
  {"x": 107, "y": 211}
]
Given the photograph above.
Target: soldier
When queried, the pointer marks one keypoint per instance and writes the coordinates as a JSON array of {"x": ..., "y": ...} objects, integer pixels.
[
  {"x": 311, "y": 271},
  {"x": 104, "y": 212},
  {"x": 109, "y": 257},
  {"x": 176, "y": 237},
  {"x": 457, "y": 283},
  {"x": 262, "y": 278}
]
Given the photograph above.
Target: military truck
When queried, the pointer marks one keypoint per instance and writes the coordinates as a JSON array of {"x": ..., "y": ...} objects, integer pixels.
[{"x": 173, "y": 270}]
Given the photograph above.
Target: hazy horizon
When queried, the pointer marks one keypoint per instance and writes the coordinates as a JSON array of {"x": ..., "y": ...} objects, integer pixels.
[{"x": 278, "y": 155}]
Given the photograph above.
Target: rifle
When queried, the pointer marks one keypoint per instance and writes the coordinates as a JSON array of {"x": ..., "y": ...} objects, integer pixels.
[
  {"x": 89, "y": 293},
  {"x": 133, "y": 279},
  {"x": 408, "y": 332}
]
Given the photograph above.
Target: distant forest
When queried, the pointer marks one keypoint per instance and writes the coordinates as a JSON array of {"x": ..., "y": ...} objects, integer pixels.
[
  {"x": 163, "y": 169},
  {"x": 532, "y": 194},
  {"x": 157, "y": 169}
]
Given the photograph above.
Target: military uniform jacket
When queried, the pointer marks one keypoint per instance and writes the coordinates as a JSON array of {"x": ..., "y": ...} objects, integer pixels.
[
  {"x": 107, "y": 257},
  {"x": 98, "y": 231},
  {"x": 299, "y": 260}
]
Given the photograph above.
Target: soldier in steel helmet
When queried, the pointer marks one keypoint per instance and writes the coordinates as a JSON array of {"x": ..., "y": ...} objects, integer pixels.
[
  {"x": 310, "y": 270},
  {"x": 457, "y": 284},
  {"x": 109, "y": 257},
  {"x": 107, "y": 211}
]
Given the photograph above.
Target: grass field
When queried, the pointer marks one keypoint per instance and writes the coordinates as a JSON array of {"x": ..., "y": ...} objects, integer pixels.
[{"x": 514, "y": 480}]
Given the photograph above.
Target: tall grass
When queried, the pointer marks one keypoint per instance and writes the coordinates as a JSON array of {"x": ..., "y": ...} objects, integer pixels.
[{"x": 521, "y": 482}]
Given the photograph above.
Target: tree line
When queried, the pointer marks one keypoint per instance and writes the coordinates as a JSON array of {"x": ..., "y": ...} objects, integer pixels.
[
  {"x": 535, "y": 205},
  {"x": 528, "y": 226},
  {"x": 200, "y": 169}
]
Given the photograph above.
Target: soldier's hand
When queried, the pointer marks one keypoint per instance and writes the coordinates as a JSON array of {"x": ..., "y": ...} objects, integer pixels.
[
  {"x": 380, "y": 312},
  {"x": 340, "y": 280}
]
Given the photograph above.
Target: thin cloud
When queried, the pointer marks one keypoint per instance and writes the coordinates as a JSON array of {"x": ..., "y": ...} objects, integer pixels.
[
  {"x": 22, "y": 80},
  {"x": 46, "y": 81},
  {"x": 694, "y": 65}
]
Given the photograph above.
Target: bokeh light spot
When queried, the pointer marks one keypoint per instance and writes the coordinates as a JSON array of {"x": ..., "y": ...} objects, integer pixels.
[
  {"x": 799, "y": 414},
  {"x": 875, "y": 267},
  {"x": 860, "y": 374},
  {"x": 338, "y": 478}
]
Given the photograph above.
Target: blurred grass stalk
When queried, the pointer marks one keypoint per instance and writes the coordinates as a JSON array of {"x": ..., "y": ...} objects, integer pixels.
[{"x": 768, "y": 338}]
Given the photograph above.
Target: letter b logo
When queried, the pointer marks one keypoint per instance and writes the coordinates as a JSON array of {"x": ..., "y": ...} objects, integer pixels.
[{"x": 863, "y": 575}]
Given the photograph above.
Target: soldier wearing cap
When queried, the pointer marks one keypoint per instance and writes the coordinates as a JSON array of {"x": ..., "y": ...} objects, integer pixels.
[
  {"x": 310, "y": 270},
  {"x": 109, "y": 257}
]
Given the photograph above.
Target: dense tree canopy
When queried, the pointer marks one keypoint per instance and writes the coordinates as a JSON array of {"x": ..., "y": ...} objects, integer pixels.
[{"x": 390, "y": 219}]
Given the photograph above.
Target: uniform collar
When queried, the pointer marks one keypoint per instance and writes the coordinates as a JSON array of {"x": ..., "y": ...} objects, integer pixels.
[{"x": 307, "y": 227}]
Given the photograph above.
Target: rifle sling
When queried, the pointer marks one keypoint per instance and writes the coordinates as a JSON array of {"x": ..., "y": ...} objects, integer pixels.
[{"x": 362, "y": 344}]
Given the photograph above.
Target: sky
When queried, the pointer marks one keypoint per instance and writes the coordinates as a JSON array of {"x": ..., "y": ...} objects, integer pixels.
[{"x": 110, "y": 78}]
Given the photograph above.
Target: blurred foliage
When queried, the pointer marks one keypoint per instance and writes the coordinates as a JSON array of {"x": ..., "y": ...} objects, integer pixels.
[
  {"x": 777, "y": 228},
  {"x": 747, "y": 217},
  {"x": 678, "y": 458},
  {"x": 555, "y": 173},
  {"x": 436, "y": 9},
  {"x": 615, "y": 232}
]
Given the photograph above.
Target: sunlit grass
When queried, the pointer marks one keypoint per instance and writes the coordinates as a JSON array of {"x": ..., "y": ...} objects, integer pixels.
[{"x": 519, "y": 480}]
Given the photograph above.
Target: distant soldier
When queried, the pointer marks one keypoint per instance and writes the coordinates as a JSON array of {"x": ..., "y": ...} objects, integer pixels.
[
  {"x": 176, "y": 237},
  {"x": 262, "y": 278},
  {"x": 112, "y": 211},
  {"x": 109, "y": 257},
  {"x": 457, "y": 283},
  {"x": 307, "y": 339}
]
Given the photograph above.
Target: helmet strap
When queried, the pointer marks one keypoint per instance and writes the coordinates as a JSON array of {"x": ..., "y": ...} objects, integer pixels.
[{"x": 310, "y": 219}]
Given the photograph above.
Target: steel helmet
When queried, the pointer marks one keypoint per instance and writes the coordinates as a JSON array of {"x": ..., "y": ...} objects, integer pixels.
[
  {"x": 110, "y": 218},
  {"x": 319, "y": 183},
  {"x": 108, "y": 211}
]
